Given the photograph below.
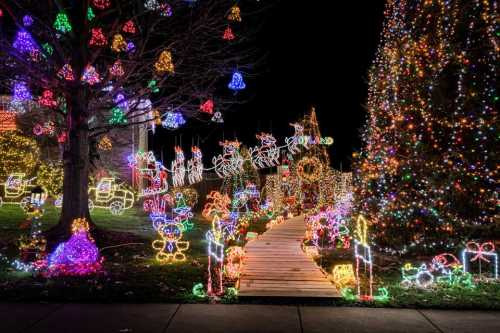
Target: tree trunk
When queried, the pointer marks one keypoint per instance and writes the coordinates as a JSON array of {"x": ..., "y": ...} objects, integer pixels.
[{"x": 76, "y": 162}]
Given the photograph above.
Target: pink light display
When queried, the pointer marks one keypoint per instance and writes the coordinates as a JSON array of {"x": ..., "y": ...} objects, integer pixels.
[{"x": 77, "y": 256}]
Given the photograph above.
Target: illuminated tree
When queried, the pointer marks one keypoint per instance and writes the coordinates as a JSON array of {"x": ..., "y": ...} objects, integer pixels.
[
  {"x": 115, "y": 64},
  {"x": 18, "y": 153},
  {"x": 50, "y": 175},
  {"x": 426, "y": 174}
]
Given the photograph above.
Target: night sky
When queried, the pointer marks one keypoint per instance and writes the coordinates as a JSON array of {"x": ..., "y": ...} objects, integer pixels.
[{"x": 317, "y": 55}]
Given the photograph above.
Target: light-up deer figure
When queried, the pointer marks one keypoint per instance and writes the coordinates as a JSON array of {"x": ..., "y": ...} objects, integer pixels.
[
  {"x": 231, "y": 161},
  {"x": 266, "y": 155},
  {"x": 295, "y": 141},
  {"x": 178, "y": 168},
  {"x": 195, "y": 166}
]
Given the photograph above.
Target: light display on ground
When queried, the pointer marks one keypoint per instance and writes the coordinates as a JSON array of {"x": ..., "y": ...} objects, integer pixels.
[
  {"x": 77, "y": 256},
  {"x": 234, "y": 256},
  {"x": 480, "y": 254},
  {"x": 109, "y": 195},
  {"x": 343, "y": 275},
  {"x": 170, "y": 247},
  {"x": 17, "y": 190}
]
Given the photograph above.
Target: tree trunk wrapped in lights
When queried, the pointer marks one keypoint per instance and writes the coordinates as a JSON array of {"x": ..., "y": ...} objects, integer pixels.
[{"x": 426, "y": 173}]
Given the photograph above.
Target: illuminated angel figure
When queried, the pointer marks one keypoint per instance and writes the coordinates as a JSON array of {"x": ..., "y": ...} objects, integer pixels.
[
  {"x": 231, "y": 161},
  {"x": 195, "y": 166},
  {"x": 178, "y": 168},
  {"x": 267, "y": 154},
  {"x": 295, "y": 141}
]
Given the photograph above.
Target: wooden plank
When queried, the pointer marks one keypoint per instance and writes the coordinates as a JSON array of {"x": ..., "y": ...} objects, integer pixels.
[{"x": 276, "y": 265}]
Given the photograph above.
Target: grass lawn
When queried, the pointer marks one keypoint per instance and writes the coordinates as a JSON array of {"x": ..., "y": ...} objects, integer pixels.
[
  {"x": 130, "y": 271},
  {"x": 131, "y": 274},
  {"x": 387, "y": 273}
]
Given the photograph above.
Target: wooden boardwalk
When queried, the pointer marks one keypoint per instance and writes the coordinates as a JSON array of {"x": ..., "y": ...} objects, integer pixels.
[{"x": 275, "y": 265}]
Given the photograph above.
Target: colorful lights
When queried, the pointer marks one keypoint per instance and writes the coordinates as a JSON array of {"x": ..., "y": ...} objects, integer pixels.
[
  {"x": 24, "y": 42},
  {"x": 207, "y": 106},
  {"x": 90, "y": 75},
  {"x": 47, "y": 99},
  {"x": 27, "y": 21},
  {"x": 77, "y": 256},
  {"x": 235, "y": 256},
  {"x": 173, "y": 120},
  {"x": 422, "y": 148},
  {"x": 267, "y": 154},
  {"x": 118, "y": 43},
  {"x": 101, "y": 4},
  {"x": 237, "y": 82},
  {"x": 228, "y": 34},
  {"x": 164, "y": 65},
  {"x": 66, "y": 72},
  {"x": 310, "y": 169},
  {"x": 109, "y": 195},
  {"x": 118, "y": 117},
  {"x": 97, "y": 38},
  {"x": 62, "y": 24},
  {"x": 117, "y": 69},
  {"x": 480, "y": 254},
  {"x": 195, "y": 166},
  {"x": 343, "y": 275},
  {"x": 21, "y": 92},
  {"x": 170, "y": 247},
  {"x": 129, "y": 27},
  {"x": 231, "y": 161},
  {"x": 105, "y": 143},
  {"x": 234, "y": 14}
]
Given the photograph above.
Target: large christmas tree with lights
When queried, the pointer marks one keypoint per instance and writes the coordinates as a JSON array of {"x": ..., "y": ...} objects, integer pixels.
[{"x": 426, "y": 174}]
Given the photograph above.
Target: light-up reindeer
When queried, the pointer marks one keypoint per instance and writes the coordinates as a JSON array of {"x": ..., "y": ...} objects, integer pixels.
[
  {"x": 178, "y": 168},
  {"x": 195, "y": 166},
  {"x": 296, "y": 140},
  {"x": 231, "y": 161},
  {"x": 267, "y": 154}
]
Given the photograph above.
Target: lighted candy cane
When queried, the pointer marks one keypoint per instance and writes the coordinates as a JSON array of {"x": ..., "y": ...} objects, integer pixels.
[
  {"x": 266, "y": 155},
  {"x": 365, "y": 257},
  {"x": 480, "y": 250},
  {"x": 216, "y": 253},
  {"x": 178, "y": 168},
  {"x": 195, "y": 166}
]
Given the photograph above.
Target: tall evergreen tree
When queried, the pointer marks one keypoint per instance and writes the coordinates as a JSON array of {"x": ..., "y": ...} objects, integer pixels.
[{"x": 426, "y": 174}]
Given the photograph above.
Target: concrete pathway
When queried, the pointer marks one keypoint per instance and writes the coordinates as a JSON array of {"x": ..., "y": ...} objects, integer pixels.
[
  {"x": 275, "y": 265},
  {"x": 205, "y": 318}
]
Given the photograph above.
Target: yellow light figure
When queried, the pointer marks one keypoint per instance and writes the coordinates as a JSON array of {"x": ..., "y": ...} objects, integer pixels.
[
  {"x": 119, "y": 44},
  {"x": 170, "y": 247},
  {"x": 310, "y": 169},
  {"x": 343, "y": 275},
  {"x": 109, "y": 195},
  {"x": 164, "y": 64},
  {"x": 234, "y": 14},
  {"x": 364, "y": 261},
  {"x": 105, "y": 143},
  {"x": 17, "y": 190},
  {"x": 361, "y": 232}
]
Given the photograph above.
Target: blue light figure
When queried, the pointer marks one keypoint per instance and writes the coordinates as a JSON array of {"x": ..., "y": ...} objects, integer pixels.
[{"x": 237, "y": 82}]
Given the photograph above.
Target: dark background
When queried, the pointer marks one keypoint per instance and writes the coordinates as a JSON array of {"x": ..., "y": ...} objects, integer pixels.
[{"x": 318, "y": 54}]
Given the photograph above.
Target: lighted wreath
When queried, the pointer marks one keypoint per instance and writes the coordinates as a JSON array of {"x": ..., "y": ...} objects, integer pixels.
[{"x": 309, "y": 169}]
